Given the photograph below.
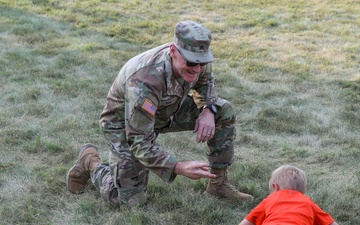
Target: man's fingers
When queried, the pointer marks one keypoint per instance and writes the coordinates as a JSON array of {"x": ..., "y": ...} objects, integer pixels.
[
  {"x": 208, "y": 175},
  {"x": 204, "y": 168},
  {"x": 202, "y": 164},
  {"x": 194, "y": 170}
]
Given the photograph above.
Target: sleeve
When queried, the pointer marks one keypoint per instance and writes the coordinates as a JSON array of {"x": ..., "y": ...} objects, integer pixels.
[
  {"x": 257, "y": 215},
  {"x": 204, "y": 90},
  {"x": 142, "y": 100},
  {"x": 321, "y": 217}
]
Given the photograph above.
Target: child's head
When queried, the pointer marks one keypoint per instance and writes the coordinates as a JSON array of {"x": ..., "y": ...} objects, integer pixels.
[{"x": 288, "y": 177}]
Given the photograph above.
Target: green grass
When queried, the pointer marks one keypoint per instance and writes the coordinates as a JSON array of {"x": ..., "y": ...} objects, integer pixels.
[{"x": 290, "y": 68}]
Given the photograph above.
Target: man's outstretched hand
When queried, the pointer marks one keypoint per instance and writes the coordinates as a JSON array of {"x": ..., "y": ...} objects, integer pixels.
[{"x": 193, "y": 170}]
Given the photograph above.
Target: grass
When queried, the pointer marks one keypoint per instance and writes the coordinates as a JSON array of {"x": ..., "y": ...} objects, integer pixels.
[{"x": 291, "y": 70}]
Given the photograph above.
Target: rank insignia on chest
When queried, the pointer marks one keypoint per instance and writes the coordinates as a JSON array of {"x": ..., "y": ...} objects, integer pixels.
[{"x": 149, "y": 107}]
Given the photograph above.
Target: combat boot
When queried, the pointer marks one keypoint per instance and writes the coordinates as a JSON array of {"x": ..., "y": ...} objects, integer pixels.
[
  {"x": 79, "y": 174},
  {"x": 220, "y": 186}
]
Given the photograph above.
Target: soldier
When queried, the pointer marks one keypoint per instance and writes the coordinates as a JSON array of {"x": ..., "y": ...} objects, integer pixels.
[{"x": 169, "y": 88}]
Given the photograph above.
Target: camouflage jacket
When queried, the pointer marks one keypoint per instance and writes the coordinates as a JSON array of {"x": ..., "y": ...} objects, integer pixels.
[{"x": 143, "y": 98}]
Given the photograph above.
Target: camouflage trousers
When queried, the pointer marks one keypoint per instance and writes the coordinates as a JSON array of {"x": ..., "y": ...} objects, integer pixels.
[{"x": 124, "y": 180}]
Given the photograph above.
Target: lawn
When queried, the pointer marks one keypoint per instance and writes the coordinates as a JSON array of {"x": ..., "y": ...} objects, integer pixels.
[{"x": 291, "y": 69}]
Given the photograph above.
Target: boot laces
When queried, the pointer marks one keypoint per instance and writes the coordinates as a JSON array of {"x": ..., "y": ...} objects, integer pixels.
[{"x": 228, "y": 185}]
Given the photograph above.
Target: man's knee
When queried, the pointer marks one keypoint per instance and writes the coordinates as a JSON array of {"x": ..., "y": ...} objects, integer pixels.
[
  {"x": 131, "y": 178},
  {"x": 226, "y": 113}
]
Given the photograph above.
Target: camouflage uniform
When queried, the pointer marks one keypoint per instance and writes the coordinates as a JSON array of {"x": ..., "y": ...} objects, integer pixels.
[{"x": 147, "y": 99}]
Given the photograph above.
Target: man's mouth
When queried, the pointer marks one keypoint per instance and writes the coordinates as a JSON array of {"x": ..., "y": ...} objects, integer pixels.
[{"x": 192, "y": 72}]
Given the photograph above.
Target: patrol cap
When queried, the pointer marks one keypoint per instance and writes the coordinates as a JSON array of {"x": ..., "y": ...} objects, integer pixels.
[{"x": 193, "y": 41}]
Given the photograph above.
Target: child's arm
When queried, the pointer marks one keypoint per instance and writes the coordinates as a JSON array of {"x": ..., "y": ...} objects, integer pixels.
[
  {"x": 334, "y": 223},
  {"x": 247, "y": 222}
]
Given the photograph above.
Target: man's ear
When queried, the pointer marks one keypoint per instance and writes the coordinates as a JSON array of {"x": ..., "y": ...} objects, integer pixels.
[
  {"x": 172, "y": 49},
  {"x": 275, "y": 187}
]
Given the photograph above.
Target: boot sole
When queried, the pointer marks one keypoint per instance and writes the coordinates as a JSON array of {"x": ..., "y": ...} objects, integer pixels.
[
  {"x": 83, "y": 148},
  {"x": 206, "y": 193},
  {"x": 245, "y": 196}
]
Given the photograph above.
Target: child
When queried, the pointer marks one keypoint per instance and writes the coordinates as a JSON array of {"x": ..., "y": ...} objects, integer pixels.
[{"x": 287, "y": 203}]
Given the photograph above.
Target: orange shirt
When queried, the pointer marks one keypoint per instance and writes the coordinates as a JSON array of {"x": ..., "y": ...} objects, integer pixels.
[{"x": 287, "y": 207}]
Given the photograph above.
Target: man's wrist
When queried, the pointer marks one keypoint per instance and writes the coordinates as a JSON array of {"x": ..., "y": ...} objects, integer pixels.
[
  {"x": 177, "y": 168},
  {"x": 212, "y": 107}
]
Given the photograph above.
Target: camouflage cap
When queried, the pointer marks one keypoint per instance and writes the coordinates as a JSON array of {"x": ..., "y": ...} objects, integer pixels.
[{"x": 193, "y": 41}]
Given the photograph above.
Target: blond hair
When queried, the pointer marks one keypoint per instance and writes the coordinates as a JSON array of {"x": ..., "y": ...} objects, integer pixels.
[{"x": 288, "y": 177}]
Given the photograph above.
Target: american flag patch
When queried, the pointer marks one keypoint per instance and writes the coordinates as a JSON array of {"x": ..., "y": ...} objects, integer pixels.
[{"x": 149, "y": 107}]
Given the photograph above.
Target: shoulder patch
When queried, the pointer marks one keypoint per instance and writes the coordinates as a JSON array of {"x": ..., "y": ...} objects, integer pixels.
[{"x": 149, "y": 107}]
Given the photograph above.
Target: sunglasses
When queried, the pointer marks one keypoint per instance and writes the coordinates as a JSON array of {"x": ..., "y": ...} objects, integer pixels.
[{"x": 191, "y": 64}]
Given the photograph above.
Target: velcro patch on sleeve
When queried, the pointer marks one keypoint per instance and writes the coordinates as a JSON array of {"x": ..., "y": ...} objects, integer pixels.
[{"x": 149, "y": 107}]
